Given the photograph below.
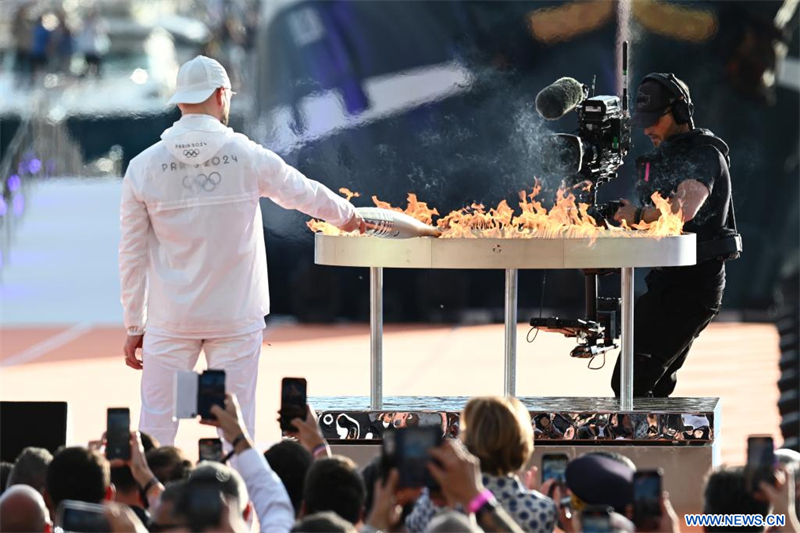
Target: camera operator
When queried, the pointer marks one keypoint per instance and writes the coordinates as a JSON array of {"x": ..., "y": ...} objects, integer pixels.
[{"x": 690, "y": 167}]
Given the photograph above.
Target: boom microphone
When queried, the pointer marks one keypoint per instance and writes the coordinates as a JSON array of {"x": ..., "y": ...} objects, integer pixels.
[{"x": 558, "y": 99}]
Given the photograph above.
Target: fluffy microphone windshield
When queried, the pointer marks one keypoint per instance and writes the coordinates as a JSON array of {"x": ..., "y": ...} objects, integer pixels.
[{"x": 558, "y": 99}]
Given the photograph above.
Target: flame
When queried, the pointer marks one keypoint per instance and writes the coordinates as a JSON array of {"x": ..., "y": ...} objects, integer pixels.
[
  {"x": 385, "y": 205},
  {"x": 320, "y": 226},
  {"x": 419, "y": 210},
  {"x": 566, "y": 219},
  {"x": 348, "y": 194},
  {"x": 667, "y": 224}
]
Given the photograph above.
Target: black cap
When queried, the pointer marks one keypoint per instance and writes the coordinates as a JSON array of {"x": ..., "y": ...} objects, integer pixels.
[
  {"x": 652, "y": 99},
  {"x": 599, "y": 480}
]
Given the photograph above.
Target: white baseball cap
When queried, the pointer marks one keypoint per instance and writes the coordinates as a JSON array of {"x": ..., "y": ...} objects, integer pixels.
[{"x": 198, "y": 79}]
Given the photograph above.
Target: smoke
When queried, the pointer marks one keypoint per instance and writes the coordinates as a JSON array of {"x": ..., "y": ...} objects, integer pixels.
[
  {"x": 486, "y": 147},
  {"x": 482, "y": 143}
]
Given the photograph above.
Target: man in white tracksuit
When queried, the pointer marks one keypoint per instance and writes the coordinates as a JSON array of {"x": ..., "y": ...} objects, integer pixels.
[{"x": 192, "y": 260}]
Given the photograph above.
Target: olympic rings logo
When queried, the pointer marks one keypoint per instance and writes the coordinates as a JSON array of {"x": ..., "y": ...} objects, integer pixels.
[
  {"x": 191, "y": 153},
  {"x": 206, "y": 182}
]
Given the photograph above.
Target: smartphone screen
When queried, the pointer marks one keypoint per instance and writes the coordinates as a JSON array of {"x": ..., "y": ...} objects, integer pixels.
[
  {"x": 647, "y": 490},
  {"x": 118, "y": 433},
  {"x": 554, "y": 466},
  {"x": 293, "y": 402},
  {"x": 388, "y": 451},
  {"x": 82, "y": 516},
  {"x": 760, "y": 461},
  {"x": 210, "y": 450},
  {"x": 595, "y": 520},
  {"x": 210, "y": 391},
  {"x": 412, "y": 454}
]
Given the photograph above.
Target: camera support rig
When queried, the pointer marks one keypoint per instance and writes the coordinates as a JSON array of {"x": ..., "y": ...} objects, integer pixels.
[{"x": 593, "y": 157}]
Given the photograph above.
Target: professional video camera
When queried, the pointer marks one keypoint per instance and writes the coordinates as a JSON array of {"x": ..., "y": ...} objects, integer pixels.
[
  {"x": 602, "y": 141},
  {"x": 591, "y": 157}
]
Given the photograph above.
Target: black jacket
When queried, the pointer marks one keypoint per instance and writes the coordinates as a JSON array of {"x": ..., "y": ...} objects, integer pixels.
[{"x": 698, "y": 155}]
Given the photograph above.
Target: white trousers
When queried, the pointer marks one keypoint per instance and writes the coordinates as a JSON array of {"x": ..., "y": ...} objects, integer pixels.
[{"x": 162, "y": 356}]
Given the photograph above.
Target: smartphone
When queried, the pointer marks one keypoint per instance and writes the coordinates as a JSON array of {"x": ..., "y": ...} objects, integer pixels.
[
  {"x": 412, "y": 454},
  {"x": 210, "y": 392},
  {"x": 647, "y": 491},
  {"x": 760, "y": 462},
  {"x": 82, "y": 517},
  {"x": 293, "y": 402},
  {"x": 596, "y": 519},
  {"x": 118, "y": 433},
  {"x": 210, "y": 450},
  {"x": 554, "y": 466},
  {"x": 185, "y": 395}
]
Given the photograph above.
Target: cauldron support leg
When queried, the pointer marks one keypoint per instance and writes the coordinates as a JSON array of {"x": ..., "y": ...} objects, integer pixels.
[
  {"x": 510, "y": 374},
  {"x": 376, "y": 337},
  {"x": 626, "y": 377}
]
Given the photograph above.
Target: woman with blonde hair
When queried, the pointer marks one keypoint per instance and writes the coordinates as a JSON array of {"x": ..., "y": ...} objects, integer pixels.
[{"x": 499, "y": 432}]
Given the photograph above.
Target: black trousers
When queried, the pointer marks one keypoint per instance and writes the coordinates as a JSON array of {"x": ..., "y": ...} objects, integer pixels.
[{"x": 677, "y": 307}]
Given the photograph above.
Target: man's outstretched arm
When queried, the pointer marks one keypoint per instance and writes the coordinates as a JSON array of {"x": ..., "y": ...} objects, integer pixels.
[{"x": 290, "y": 189}]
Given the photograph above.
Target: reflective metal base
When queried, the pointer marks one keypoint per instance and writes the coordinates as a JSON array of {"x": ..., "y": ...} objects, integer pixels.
[
  {"x": 680, "y": 435},
  {"x": 576, "y": 420}
]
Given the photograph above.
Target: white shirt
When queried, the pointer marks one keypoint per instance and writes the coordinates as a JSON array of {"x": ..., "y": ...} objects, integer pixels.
[
  {"x": 192, "y": 259},
  {"x": 270, "y": 499}
]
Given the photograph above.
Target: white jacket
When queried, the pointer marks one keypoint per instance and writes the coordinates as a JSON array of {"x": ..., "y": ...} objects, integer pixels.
[
  {"x": 267, "y": 492},
  {"x": 192, "y": 260}
]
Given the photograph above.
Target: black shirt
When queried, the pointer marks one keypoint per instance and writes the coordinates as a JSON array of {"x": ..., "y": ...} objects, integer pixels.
[{"x": 697, "y": 155}]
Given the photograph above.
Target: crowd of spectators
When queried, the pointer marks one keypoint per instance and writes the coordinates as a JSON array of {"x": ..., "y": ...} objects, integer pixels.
[
  {"x": 47, "y": 40},
  {"x": 298, "y": 486}
]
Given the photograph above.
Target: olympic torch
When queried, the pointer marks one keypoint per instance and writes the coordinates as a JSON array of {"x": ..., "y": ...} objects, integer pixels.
[{"x": 394, "y": 225}]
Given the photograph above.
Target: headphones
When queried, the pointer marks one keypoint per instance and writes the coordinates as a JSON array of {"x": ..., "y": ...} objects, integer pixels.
[{"x": 682, "y": 107}]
